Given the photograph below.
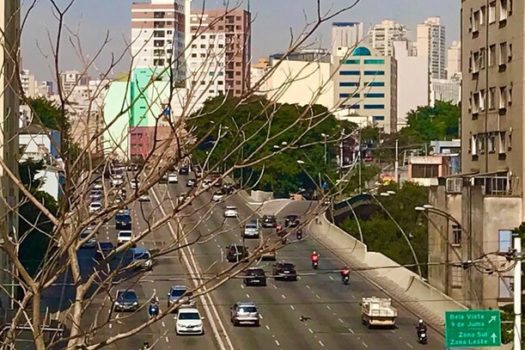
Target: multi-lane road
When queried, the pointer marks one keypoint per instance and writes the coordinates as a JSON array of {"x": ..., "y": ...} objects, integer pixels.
[{"x": 315, "y": 312}]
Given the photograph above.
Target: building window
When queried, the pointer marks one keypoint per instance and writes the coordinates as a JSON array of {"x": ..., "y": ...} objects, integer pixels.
[
  {"x": 374, "y": 72},
  {"x": 491, "y": 98},
  {"x": 505, "y": 240},
  {"x": 480, "y": 143},
  {"x": 476, "y": 22},
  {"x": 376, "y": 83},
  {"x": 374, "y": 106},
  {"x": 492, "y": 12},
  {"x": 503, "y": 55},
  {"x": 425, "y": 171},
  {"x": 375, "y": 95},
  {"x": 509, "y": 53},
  {"x": 378, "y": 118},
  {"x": 348, "y": 84},
  {"x": 501, "y": 148},
  {"x": 475, "y": 62},
  {"x": 476, "y": 103},
  {"x": 482, "y": 58},
  {"x": 482, "y": 100},
  {"x": 503, "y": 10},
  {"x": 349, "y": 72},
  {"x": 509, "y": 95},
  {"x": 374, "y": 61},
  {"x": 492, "y": 55},
  {"x": 456, "y": 234},
  {"x": 502, "y": 97},
  {"x": 456, "y": 280},
  {"x": 350, "y": 61},
  {"x": 474, "y": 145},
  {"x": 510, "y": 141},
  {"x": 491, "y": 143},
  {"x": 506, "y": 287}
]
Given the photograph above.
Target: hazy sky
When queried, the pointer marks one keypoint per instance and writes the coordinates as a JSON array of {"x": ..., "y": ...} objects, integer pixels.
[{"x": 271, "y": 29}]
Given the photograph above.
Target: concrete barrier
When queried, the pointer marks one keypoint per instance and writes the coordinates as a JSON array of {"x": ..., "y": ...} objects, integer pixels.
[
  {"x": 261, "y": 196},
  {"x": 338, "y": 240},
  {"x": 382, "y": 268}
]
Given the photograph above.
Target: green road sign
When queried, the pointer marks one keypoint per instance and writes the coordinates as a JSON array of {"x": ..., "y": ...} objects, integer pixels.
[{"x": 472, "y": 328}]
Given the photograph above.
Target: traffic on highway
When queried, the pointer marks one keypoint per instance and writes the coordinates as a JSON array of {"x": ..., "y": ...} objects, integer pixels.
[{"x": 237, "y": 278}]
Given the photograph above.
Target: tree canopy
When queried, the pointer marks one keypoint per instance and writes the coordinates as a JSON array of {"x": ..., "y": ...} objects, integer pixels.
[
  {"x": 427, "y": 123},
  {"x": 287, "y": 140},
  {"x": 47, "y": 112}
]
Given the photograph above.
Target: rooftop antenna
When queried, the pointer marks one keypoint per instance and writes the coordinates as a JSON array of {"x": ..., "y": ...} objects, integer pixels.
[{"x": 248, "y": 6}]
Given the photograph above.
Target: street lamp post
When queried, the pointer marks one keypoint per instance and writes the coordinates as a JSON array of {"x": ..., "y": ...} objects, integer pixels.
[{"x": 325, "y": 136}]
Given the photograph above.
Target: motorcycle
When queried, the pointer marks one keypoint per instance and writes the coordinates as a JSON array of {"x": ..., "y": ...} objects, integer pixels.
[
  {"x": 315, "y": 264},
  {"x": 346, "y": 279},
  {"x": 422, "y": 337},
  {"x": 153, "y": 310}
]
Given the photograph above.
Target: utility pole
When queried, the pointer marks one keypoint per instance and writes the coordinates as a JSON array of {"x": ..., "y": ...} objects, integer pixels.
[
  {"x": 396, "y": 165},
  {"x": 517, "y": 294}
]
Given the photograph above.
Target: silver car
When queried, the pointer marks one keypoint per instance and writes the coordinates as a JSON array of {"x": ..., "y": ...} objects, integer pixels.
[
  {"x": 245, "y": 312},
  {"x": 251, "y": 229}
]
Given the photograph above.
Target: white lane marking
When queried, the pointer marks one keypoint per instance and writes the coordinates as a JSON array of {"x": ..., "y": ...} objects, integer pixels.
[
  {"x": 330, "y": 277},
  {"x": 317, "y": 296},
  {"x": 351, "y": 330},
  {"x": 310, "y": 330},
  {"x": 328, "y": 307},
  {"x": 321, "y": 343},
  {"x": 247, "y": 295},
  {"x": 206, "y": 300},
  {"x": 307, "y": 286},
  {"x": 283, "y": 296},
  {"x": 242, "y": 286},
  {"x": 292, "y": 307},
  {"x": 340, "y": 320},
  {"x": 267, "y": 327},
  {"x": 167, "y": 340},
  {"x": 261, "y": 316},
  {"x": 274, "y": 286},
  {"x": 163, "y": 324},
  {"x": 410, "y": 346},
  {"x": 364, "y": 344},
  {"x": 110, "y": 325},
  {"x": 277, "y": 342}
]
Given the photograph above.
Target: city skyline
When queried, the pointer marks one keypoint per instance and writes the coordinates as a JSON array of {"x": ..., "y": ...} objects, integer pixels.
[{"x": 93, "y": 25}]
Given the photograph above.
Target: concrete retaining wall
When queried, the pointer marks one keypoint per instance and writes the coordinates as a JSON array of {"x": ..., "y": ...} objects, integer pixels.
[{"x": 356, "y": 253}]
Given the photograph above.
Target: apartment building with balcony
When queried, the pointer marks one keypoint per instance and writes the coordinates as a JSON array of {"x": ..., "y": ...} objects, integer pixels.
[
  {"x": 485, "y": 202},
  {"x": 158, "y": 30},
  {"x": 219, "y": 52}
]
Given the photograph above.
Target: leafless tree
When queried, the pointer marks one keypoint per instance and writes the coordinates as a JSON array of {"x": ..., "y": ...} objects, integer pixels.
[{"x": 86, "y": 161}]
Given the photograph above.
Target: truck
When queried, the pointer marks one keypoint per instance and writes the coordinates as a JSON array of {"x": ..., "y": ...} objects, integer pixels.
[{"x": 378, "y": 312}]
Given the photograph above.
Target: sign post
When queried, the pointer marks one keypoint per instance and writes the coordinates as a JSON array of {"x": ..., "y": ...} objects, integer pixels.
[{"x": 472, "y": 328}]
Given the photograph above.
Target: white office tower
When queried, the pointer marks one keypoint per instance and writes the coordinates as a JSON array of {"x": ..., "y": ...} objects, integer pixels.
[
  {"x": 383, "y": 34},
  {"x": 431, "y": 44}
]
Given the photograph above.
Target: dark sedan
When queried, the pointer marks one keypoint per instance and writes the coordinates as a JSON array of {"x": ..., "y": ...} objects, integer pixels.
[
  {"x": 269, "y": 221},
  {"x": 255, "y": 276},
  {"x": 284, "y": 271}
]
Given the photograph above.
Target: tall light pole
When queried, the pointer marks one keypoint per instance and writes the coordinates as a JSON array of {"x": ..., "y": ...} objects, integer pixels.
[
  {"x": 325, "y": 136},
  {"x": 517, "y": 294}
]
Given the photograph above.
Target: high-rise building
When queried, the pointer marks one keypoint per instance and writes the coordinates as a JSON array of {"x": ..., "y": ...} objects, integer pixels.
[
  {"x": 365, "y": 84},
  {"x": 346, "y": 35},
  {"x": 220, "y": 52},
  {"x": 431, "y": 44},
  {"x": 486, "y": 201},
  {"x": 412, "y": 81},
  {"x": 383, "y": 34},
  {"x": 72, "y": 78},
  {"x": 158, "y": 34},
  {"x": 28, "y": 82},
  {"x": 454, "y": 59},
  {"x": 9, "y": 99}
]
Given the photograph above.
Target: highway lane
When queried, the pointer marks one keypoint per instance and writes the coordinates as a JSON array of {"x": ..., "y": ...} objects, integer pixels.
[
  {"x": 344, "y": 300},
  {"x": 282, "y": 303},
  {"x": 168, "y": 270}
]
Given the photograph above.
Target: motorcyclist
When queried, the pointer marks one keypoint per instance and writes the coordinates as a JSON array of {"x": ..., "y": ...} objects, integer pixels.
[
  {"x": 421, "y": 327},
  {"x": 145, "y": 346},
  {"x": 153, "y": 309},
  {"x": 299, "y": 234},
  {"x": 314, "y": 257},
  {"x": 345, "y": 271}
]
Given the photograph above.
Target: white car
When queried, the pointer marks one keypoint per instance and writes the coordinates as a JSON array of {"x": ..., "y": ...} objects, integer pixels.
[
  {"x": 189, "y": 321},
  {"x": 98, "y": 187},
  {"x": 144, "y": 198},
  {"x": 172, "y": 178},
  {"x": 134, "y": 184},
  {"x": 206, "y": 183},
  {"x": 124, "y": 236},
  {"x": 230, "y": 212},
  {"x": 117, "y": 180},
  {"x": 217, "y": 196},
  {"x": 94, "y": 207}
]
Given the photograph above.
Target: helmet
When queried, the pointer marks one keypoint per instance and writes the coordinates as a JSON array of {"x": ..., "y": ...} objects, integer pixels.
[
  {"x": 314, "y": 253},
  {"x": 420, "y": 321}
]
